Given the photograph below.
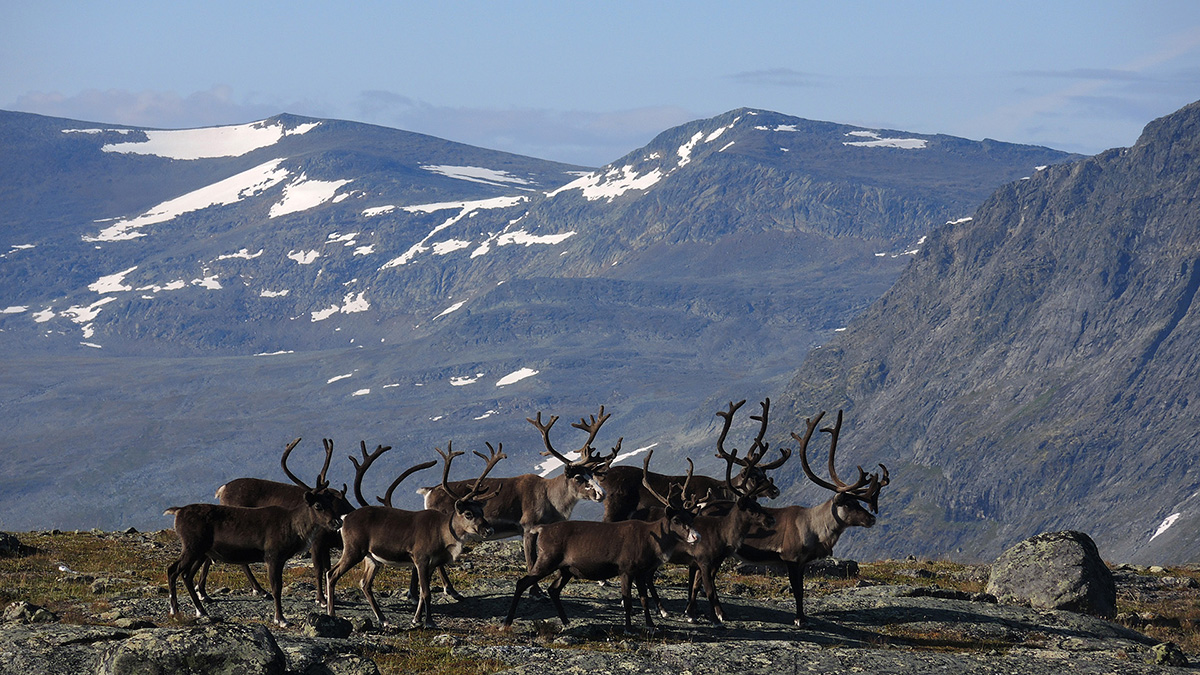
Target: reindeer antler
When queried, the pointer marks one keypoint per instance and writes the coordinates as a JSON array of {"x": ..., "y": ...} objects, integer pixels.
[
  {"x": 386, "y": 499},
  {"x": 448, "y": 456},
  {"x": 873, "y": 482},
  {"x": 495, "y": 455},
  {"x": 321, "y": 482},
  {"x": 360, "y": 470}
]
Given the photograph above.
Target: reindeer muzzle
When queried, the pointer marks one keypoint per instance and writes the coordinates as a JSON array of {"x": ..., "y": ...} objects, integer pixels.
[{"x": 692, "y": 536}]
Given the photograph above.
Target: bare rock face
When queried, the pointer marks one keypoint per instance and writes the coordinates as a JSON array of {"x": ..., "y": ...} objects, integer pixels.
[{"x": 1055, "y": 570}]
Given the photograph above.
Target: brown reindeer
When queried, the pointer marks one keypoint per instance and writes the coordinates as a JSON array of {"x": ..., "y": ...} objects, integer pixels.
[
  {"x": 259, "y": 492},
  {"x": 723, "y": 526},
  {"x": 524, "y": 501},
  {"x": 381, "y": 535},
  {"x": 803, "y": 534},
  {"x": 628, "y": 498},
  {"x": 243, "y": 535},
  {"x": 631, "y": 549}
]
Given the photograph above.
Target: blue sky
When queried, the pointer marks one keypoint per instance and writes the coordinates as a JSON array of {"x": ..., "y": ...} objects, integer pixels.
[{"x": 586, "y": 83}]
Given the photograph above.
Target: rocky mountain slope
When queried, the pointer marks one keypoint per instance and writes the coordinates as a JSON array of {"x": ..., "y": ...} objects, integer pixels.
[
  {"x": 178, "y": 305},
  {"x": 1035, "y": 368}
]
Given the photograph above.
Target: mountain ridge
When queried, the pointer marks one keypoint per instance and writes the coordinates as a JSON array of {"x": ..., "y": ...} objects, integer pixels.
[
  {"x": 1054, "y": 330},
  {"x": 416, "y": 304}
]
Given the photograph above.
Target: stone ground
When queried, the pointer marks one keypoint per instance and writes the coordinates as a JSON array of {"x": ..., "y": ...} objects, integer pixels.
[{"x": 855, "y": 626}]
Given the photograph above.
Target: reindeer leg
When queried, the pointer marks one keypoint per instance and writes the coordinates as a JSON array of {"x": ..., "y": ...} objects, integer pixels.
[
  {"x": 796, "y": 577},
  {"x": 645, "y": 581},
  {"x": 424, "y": 604},
  {"x": 275, "y": 563},
  {"x": 370, "y": 569},
  {"x": 708, "y": 574},
  {"x": 529, "y": 543},
  {"x": 320, "y": 554},
  {"x": 693, "y": 585},
  {"x": 662, "y": 611},
  {"x": 350, "y": 558},
  {"x": 189, "y": 574},
  {"x": 255, "y": 587},
  {"x": 202, "y": 585},
  {"x": 448, "y": 588},
  {"x": 554, "y": 590}
]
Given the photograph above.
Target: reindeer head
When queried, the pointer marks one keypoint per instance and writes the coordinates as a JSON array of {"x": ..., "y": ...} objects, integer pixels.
[
  {"x": 848, "y": 504},
  {"x": 583, "y": 476},
  {"x": 327, "y": 504},
  {"x": 468, "y": 516},
  {"x": 681, "y": 512}
]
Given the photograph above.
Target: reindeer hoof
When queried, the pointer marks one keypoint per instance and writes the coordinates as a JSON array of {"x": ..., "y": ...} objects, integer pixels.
[
  {"x": 455, "y": 595},
  {"x": 801, "y": 622},
  {"x": 663, "y": 613}
]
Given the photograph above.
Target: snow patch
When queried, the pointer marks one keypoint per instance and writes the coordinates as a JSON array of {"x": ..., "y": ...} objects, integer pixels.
[
  {"x": 633, "y": 453},
  {"x": 112, "y": 283},
  {"x": 879, "y": 142},
  {"x": 516, "y": 376},
  {"x": 452, "y": 308},
  {"x": 365, "y": 250},
  {"x": 264, "y": 293},
  {"x": 222, "y": 193},
  {"x": 339, "y": 377},
  {"x": 205, "y": 143},
  {"x": 303, "y": 194},
  {"x": 1166, "y": 524},
  {"x": 477, "y": 174},
  {"x": 43, "y": 316},
  {"x": 611, "y": 184},
  {"x": 278, "y": 353},
  {"x": 465, "y": 380},
  {"x": 378, "y": 211},
  {"x": 361, "y": 392},
  {"x": 304, "y": 257},
  {"x": 244, "y": 254},
  {"x": 82, "y": 314},
  {"x": 465, "y": 210},
  {"x": 351, "y": 304},
  {"x": 14, "y": 309}
]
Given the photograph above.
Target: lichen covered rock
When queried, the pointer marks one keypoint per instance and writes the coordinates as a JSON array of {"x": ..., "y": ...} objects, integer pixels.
[{"x": 1055, "y": 570}]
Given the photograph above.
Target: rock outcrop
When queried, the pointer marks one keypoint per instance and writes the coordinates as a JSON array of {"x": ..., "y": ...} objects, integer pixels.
[{"x": 1055, "y": 570}]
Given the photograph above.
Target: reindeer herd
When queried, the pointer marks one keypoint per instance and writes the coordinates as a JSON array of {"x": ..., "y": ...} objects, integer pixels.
[{"x": 649, "y": 519}]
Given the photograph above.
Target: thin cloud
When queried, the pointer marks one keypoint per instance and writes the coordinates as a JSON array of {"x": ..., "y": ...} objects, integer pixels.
[
  {"x": 586, "y": 138},
  {"x": 777, "y": 77},
  {"x": 158, "y": 109}
]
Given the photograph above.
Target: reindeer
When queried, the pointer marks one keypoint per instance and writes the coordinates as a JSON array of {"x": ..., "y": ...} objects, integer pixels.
[
  {"x": 628, "y": 498},
  {"x": 723, "y": 526},
  {"x": 243, "y": 535},
  {"x": 631, "y": 549},
  {"x": 803, "y": 534},
  {"x": 521, "y": 502},
  {"x": 382, "y": 535},
  {"x": 259, "y": 492}
]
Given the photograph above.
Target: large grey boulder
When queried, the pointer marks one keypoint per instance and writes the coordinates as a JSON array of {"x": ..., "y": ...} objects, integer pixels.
[
  {"x": 226, "y": 649},
  {"x": 1055, "y": 570}
]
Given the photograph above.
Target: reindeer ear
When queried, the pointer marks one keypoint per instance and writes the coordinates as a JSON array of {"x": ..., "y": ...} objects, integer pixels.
[{"x": 310, "y": 497}]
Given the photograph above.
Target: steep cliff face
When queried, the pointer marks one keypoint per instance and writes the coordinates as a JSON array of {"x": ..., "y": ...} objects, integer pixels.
[{"x": 1036, "y": 366}]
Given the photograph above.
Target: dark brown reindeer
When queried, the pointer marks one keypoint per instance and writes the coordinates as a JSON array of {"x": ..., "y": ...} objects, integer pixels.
[
  {"x": 259, "y": 492},
  {"x": 628, "y": 498},
  {"x": 803, "y": 534},
  {"x": 723, "y": 526},
  {"x": 382, "y": 535},
  {"x": 524, "y": 501},
  {"x": 631, "y": 549},
  {"x": 243, "y": 535}
]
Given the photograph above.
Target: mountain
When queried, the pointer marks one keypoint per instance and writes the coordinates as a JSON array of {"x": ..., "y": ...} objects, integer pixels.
[
  {"x": 179, "y": 304},
  {"x": 1035, "y": 368}
]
